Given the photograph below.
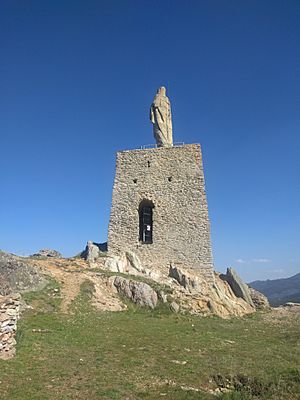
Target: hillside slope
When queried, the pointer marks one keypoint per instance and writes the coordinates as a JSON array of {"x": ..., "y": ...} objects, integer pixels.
[
  {"x": 77, "y": 338},
  {"x": 280, "y": 291},
  {"x": 79, "y": 352}
]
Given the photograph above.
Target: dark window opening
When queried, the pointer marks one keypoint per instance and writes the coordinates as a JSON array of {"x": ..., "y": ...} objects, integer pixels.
[
  {"x": 170, "y": 179},
  {"x": 146, "y": 222},
  {"x": 148, "y": 164},
  {"x": 135, "y": 181}
]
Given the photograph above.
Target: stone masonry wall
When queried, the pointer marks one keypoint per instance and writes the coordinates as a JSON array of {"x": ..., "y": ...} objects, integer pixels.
[
  {"x": 9, "y": 315},
  {"x": 173, "y": 179}
]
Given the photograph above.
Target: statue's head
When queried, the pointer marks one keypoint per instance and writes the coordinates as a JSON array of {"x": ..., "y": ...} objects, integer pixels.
[{"x": 161, "y": 90}]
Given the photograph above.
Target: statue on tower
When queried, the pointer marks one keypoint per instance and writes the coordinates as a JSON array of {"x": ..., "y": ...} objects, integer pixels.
[{"x": 160, "y": 116}]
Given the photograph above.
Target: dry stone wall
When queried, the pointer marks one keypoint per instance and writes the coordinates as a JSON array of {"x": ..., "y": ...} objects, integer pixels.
[
  {"x": 172, "y": 179},
  {"x": 9, "y": 315}
]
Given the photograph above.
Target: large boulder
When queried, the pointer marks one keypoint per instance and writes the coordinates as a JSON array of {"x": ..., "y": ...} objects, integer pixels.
[
  {"x": 139, "y": 292},
  {"x": 125, "y": 262},
  {"x": 93, "y": 251},
  {"x": 47, "y": 253},
  {"x": 16, "y": 275},
  {"x": 128, "y": 263},
  {"x": 239, "y": 288},
  {"x": 116, "y": 263},
  {"x": 134, "y": 261},
  {"x": 260, "y": 301}
]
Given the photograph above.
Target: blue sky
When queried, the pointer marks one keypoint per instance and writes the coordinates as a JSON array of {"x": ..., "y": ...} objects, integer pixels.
[{"x": 76, "y": 82}]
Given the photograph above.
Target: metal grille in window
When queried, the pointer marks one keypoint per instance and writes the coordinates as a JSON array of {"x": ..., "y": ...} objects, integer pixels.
[{"x": 146, "y": 223}]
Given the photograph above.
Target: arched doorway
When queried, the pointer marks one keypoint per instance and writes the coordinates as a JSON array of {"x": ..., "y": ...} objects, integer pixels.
[{"x": 146, "y": 221}]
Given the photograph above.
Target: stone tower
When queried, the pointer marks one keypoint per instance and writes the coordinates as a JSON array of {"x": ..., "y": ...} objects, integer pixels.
[{"x": 159, "y": 208}]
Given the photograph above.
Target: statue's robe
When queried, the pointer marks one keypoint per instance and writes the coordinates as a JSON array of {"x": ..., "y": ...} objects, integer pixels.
[{"x": 160, "y": 116}]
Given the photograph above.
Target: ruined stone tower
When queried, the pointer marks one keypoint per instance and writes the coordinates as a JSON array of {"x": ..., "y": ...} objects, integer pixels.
[{"x": 159, "y": 208}]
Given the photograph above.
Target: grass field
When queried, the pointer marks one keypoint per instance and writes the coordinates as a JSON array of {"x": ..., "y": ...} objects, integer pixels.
[{"x": 143, "y": 354}]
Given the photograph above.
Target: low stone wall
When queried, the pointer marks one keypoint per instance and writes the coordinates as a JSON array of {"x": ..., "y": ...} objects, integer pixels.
[{"x": 9, "y": 315}]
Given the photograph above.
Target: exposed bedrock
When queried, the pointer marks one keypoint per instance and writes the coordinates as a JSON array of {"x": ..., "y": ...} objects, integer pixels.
[
  {"x": 139, "y": 292},
  {"x": 17, "y": 275},
  {"x": 240, "y": 289}
]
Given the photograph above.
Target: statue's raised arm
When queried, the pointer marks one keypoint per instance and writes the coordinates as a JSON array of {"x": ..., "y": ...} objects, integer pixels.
[{"x": 161, "y": 118}]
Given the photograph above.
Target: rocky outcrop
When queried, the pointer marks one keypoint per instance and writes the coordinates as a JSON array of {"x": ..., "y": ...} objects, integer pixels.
[
  {"x": 185, "y": 279},
  {"x": 47, "y": 253},
  {"x": 116, "y": 264},
  {"x": 185, "y": 286},
  {"x": 125, "y": 263},
  {"x": 240, "y": 289},
  {"x": 134, "y": 261},
  {"x": 17, "y": 275},
  {"x": 129, "y": 263},
  {"x": 224, "y": 302},
  {"x": 93, "y": 251},
  {"x": 195, "y": 295},
  {"x": 139, "y": 292},
  {"x": 190, "y": 290},
  {"x": 9, "y": 315},
  {"x": 260, "y": 301}
]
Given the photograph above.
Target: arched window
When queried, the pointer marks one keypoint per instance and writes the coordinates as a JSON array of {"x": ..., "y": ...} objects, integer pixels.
[{"x": 146, "y": 221}]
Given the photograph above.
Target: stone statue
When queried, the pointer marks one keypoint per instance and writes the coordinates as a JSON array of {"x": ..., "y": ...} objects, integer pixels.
[{"x": 160, "y": 116}]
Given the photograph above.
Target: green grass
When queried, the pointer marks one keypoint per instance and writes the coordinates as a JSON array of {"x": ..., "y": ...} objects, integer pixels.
[{"x": 143, "y": 354}]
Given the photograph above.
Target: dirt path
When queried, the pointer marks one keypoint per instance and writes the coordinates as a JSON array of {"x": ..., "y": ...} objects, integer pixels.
[{"x": 71, "y": 274}]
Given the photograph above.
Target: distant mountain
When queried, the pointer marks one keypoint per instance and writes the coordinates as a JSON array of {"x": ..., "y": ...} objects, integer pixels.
[{"x": 280, "y": 291}]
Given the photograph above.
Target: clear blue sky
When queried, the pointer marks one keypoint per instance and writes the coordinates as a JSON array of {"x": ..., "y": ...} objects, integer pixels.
[{"x": 76, "y": 82}]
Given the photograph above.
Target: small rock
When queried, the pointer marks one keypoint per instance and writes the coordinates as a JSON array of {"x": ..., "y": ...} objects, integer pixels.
[
  {"x": 189, "y": 388},
  {"x": 179, "y": 362},
  {"x": 162, "y": 296},
  {"x": 174, "y": 307}
]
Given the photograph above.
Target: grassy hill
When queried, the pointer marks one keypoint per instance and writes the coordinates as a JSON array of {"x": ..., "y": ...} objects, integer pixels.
[
  {"x": 143, "y": 354},
  {"x": 280, "y": 291}
]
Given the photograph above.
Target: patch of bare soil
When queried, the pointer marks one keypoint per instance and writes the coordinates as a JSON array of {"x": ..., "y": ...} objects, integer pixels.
[{"x": 71, "y": 274}]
